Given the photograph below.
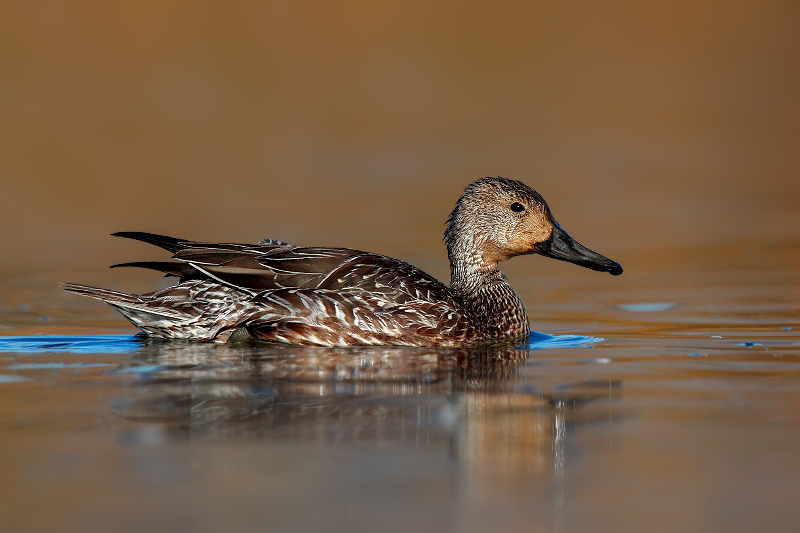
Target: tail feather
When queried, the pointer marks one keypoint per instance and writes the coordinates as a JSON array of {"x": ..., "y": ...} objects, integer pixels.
[
  {"x": 136, "y": 308},
  {"x": 168, "y": 243},
  {"x": 108, "y": 296}
]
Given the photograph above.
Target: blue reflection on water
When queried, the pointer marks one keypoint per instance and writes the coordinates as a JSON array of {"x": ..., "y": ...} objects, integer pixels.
[
  {"x": 541, "y": 341},
  {"x": 70, "y": 344},
  {"x": 129, "y": 343}
]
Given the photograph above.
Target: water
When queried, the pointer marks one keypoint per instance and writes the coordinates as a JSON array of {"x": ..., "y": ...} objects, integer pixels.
[{"x": 659, "y": 394}]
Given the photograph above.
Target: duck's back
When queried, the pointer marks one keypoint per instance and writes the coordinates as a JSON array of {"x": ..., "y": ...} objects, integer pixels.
[
  {"x": 340, "y": 296},
  {"x": 282, "y": 267},
  {"x": 279, "y": 292}
]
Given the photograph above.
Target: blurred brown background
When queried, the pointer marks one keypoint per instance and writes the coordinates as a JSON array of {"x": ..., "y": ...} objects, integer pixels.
[
  {"x": 665, "y": 135},
  {"x": 354, "y": 123}
]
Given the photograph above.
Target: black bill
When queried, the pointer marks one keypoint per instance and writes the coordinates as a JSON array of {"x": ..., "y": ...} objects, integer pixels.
[{"x": 563, "y": 247}]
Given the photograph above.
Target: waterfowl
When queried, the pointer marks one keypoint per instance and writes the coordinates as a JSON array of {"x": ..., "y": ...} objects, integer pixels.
[{"x": 279, "y": 292}]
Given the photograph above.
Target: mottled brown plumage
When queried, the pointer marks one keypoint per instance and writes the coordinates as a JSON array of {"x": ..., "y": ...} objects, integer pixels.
[{"x": 279, "y": 292}]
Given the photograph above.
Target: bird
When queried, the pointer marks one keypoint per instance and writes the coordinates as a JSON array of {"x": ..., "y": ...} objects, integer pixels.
[{"x": 277, "y": 292}]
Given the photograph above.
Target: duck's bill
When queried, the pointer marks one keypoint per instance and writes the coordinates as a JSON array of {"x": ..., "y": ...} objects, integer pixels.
[{"x": 564, "y": 248}]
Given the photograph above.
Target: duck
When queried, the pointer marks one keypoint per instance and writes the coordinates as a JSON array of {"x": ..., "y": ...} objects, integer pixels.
[{"x": 277, "y": 292}]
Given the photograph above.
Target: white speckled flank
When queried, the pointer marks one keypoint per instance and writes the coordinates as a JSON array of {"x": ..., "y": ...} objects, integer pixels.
[{"x": 279, "y": 292}]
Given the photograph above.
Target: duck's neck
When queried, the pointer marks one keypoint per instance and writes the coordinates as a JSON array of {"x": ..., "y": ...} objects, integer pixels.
[
  {"x": 470, "y": 270},
  {"x": 483, "y": 290}
]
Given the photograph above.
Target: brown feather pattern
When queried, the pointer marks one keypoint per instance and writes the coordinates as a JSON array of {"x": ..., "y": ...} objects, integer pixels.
[{"x": 279, "y": 292}]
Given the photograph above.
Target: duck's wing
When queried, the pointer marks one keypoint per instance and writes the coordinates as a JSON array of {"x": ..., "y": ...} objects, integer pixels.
[
  {"x": 276, "y": 268},
  {"x": 272, "y": 265},
  {"x": 331, "y": 269},
  {"x": 197, "y": 260}
]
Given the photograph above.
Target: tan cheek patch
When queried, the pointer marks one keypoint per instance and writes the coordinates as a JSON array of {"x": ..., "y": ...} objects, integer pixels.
[
  {"x": 543, "y": 231},
  {"x": 537, "y": 229}
]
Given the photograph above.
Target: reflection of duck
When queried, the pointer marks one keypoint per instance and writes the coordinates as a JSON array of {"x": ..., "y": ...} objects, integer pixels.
[
  {"x": 480, "y": 368},
  {"x": 259, "y": 391},
  {"x": 337, "y": 297},
  {"x": 261, "y": 386},
  {"x": 477, "y": 406}
]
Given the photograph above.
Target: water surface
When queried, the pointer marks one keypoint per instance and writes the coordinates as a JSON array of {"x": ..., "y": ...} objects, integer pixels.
[{"x": 670, "y": 391}]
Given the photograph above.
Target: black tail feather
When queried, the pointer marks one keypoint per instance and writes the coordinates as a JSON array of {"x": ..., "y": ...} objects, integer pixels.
[{"x": 168, "y": 243}]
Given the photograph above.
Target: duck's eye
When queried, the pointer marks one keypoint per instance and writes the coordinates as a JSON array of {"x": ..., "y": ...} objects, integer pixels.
[{"x": 517, "y": 207}]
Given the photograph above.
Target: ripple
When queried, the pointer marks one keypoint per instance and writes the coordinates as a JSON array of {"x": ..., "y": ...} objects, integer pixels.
[
  {"x": 651, "y": 307},
  {"x": 10, "y": 378}
]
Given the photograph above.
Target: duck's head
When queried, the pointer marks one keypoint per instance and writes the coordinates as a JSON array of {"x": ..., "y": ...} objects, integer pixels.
[{"x": 496, "y": 219}]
